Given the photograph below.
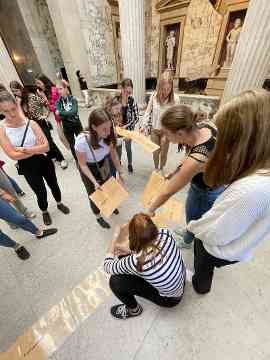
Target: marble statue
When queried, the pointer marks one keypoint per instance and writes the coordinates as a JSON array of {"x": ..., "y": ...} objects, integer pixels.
[
  {"x": 170, "y": 44},
  {"x": 232, "y": 41}
]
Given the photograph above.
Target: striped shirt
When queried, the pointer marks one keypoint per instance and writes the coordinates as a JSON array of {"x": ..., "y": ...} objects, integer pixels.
[{"x": 164, "y": 270}]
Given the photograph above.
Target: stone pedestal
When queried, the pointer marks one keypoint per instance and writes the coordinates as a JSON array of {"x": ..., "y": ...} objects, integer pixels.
[
  {"x": 251, "y": 61},
  {"x": 7, "y": 69},
  {"x": 132, "y": 41}
]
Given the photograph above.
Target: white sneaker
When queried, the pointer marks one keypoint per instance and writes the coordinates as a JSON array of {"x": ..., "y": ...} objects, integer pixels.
[
  {"x": 64, "y": 164},
  {"x": 30, "y": 215},
  {"x": 189, "y": 275}
]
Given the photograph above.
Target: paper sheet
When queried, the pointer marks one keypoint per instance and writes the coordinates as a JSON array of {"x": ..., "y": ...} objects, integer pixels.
[
  {"x": 110, "y": 197},
  {"x": 139, "y": 138},
  {"x": 173, "y": 210},
  {"x": 153, "y": 188}
]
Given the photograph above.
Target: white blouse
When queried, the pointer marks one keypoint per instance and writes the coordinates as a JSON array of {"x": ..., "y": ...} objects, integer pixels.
[{"x": 81, "y": 145}]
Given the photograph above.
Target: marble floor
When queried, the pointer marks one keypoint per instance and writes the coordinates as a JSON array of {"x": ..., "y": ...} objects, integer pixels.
[{"x": 41, "y": 294}]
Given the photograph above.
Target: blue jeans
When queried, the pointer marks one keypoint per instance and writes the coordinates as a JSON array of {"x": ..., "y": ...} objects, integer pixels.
[
  {"x": 9, "y": 214},
  {"x": 15, "y": 185},
  {"x": 198, "y": 202}
]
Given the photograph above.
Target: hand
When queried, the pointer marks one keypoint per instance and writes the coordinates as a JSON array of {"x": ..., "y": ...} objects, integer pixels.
[
  {"x": 57, "y": 113},
  {"x": 97, "y": 186},
  {"x": 41, "y": 94},
  {"x": 120, "y": 178},
  {"x": 7, "y": 197},
  {"x": 151, "y": 213}
]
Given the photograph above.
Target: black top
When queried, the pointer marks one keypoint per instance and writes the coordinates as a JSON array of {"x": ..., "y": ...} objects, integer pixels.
[
  {"x": 83, "y": 83},
  {"x": 124, "y": 113},
  {"x": 203, "y": 149}
]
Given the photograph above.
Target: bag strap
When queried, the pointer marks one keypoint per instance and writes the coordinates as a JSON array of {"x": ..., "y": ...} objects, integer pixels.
[
  {"x": 25, "y": 132},
  {"x": 93, "y": 154}
]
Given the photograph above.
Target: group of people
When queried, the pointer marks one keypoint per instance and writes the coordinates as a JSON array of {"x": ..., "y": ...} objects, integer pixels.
[{"x": 226, "y": 163}]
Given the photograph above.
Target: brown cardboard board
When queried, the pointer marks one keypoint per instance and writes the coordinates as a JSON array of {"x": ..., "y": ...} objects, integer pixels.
[
  {"x": 109, "y": 197},
  {"x": 139, "y": 138},
  {"x": 153, "y": 188}
]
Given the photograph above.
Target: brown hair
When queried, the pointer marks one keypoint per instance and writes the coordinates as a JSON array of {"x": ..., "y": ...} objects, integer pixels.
[
  {"x": 5, "y": 96},
  {"x": 112, "y": 101},
  {"x": 14, "y": 84},
  {"x": 180, "y": 117},
  {"x": 98, "y": 117},
  {"x": 166, "y": 77},
  {"x": 243, "y": 145},
  {"x": 142, "y": 235},
  {"x": 127, "y": 82},
  {"x": 2, "y": 87}
]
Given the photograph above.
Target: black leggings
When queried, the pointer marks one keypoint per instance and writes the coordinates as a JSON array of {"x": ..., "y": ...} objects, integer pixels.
[
  {"x": 70, "y": 131},
  {"x": 204, "y": 265},
  {"x": 89, "y": 186},
  {"x": 54, "y": 152},
  {"x": 125, "y": 287},
  {"x": 37, "y": 169}
]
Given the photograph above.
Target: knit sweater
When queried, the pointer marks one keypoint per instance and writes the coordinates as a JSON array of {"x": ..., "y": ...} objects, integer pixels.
[{"x": 238, "y": 221}]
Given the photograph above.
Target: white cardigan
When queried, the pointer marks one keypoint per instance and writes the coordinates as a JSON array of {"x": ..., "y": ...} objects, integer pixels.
[{"x": 238, "y": 221}]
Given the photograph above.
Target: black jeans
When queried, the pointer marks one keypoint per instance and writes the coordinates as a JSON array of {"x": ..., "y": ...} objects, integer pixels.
[
  {"x": 125, "y": 287},
  {"x": 36, "y": 169},
  {"x": 54, "y": 152},
  {"x": 89, "y": 186},
  {"x": 204, "y": 265},
  {"x": 70, "y": 131}
]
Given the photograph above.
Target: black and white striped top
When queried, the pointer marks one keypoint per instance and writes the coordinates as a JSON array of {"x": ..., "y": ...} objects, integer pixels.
[{"x": 165, "y": 270}]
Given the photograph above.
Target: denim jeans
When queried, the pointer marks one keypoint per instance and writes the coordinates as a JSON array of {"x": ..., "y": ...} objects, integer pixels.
[
  {"x": 6, "y": 241},
  {"x": 15, "y": 185},
  {"x": 198, "y": 202},
  {"x": 9, "y": 214}
]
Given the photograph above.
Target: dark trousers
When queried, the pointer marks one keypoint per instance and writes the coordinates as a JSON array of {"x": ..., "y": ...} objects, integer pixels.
[
  {"x": 54, "y": 152},
  {"x": 89, "y": 186},
  {"x": 37, "y": 169},
  {"x": 127, "y": 144},
  {"x": 125, "y": 287},
  {"x": 70, "y": 131},
  {"x": 204, "y": 265}
]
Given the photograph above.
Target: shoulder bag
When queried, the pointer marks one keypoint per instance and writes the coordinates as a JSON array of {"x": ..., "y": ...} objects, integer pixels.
[{"x": 17, "y": 165}]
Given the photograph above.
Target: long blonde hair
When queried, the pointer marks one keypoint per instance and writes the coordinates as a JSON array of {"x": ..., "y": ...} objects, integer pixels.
[
  {"x": 165, "y": 78},
  {"x": 243, "y": 144}
]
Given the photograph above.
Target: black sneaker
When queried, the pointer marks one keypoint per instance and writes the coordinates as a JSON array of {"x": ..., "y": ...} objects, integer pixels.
[
  {"x": 130, "y": 168},
  {"x": 22, "y": 253},
  {"x": 116, "y": 212},
  {"x": 122, "y": 312},
  {"x": 63, "y": 208},
  {"x": 46, "y": 218},
  {"x": 103, "y": 223},
  {"x": 47, "y": 232},
  {"x": 21, "y": 194}
]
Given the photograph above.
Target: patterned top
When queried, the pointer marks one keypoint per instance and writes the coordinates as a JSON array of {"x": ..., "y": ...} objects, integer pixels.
[
  {"x": 131, "y": 115},
  {"x": 201, "y": 153},
  {"x": 37, "y": 108},
  {"x": 164, "y": 270}
]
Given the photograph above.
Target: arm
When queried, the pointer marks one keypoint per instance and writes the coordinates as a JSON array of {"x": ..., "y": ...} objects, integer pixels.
[
  {"x": 42, "y": 144},
  {"x": 183, "y": 176},
  {"x": 6, "y": 196},
  {"x": 11, "y": 151},
  {"x": 85, "y": 169},
  {"x": 147, "y": 118},
  {"x": 115, "y": 159}
]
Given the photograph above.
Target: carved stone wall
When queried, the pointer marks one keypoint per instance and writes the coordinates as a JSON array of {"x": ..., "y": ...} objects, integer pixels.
[
  {"x": 97, "y": 29},
  {"x": 154, "y": 44},
  {"x": 200, "y": 39}
]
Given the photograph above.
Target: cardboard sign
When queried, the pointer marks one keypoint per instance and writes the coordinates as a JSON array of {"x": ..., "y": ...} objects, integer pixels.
[
  {"x": 139, "y": 138},
  {"x": 153, "y": 188},
  {"x": 109, "y": 197},
  {"x": 173, "y": 210}
]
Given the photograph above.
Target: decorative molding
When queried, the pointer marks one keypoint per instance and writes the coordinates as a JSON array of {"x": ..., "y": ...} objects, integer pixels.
[
  {"x": 113, "y": 3},
  {"x": 167, "y": 5}
]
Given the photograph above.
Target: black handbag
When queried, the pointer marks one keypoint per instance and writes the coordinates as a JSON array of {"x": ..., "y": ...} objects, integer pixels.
[{"x": 17, "y": 165}]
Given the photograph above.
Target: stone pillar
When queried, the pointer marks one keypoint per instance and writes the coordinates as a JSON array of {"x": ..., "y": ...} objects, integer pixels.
[
  {"x": 66, "y": 21},
  {"x": 252, "y": 57},
  {"x": 132, "y": 41},
  {"x": 7, "y": 69}
]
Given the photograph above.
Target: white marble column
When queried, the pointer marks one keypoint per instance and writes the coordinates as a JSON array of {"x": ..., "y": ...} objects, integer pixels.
[
  {"x": 7, "y": 69},
  {"x": 132, "y": 41},
  {"x": 66, "y": 21},
  {"x": 252, "y": 58}
]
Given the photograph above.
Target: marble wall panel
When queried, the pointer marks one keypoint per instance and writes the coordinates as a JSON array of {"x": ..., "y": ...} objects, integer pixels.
[
  {"x": 154, "y": 44},
  {"x": 201, "y": 32}
]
